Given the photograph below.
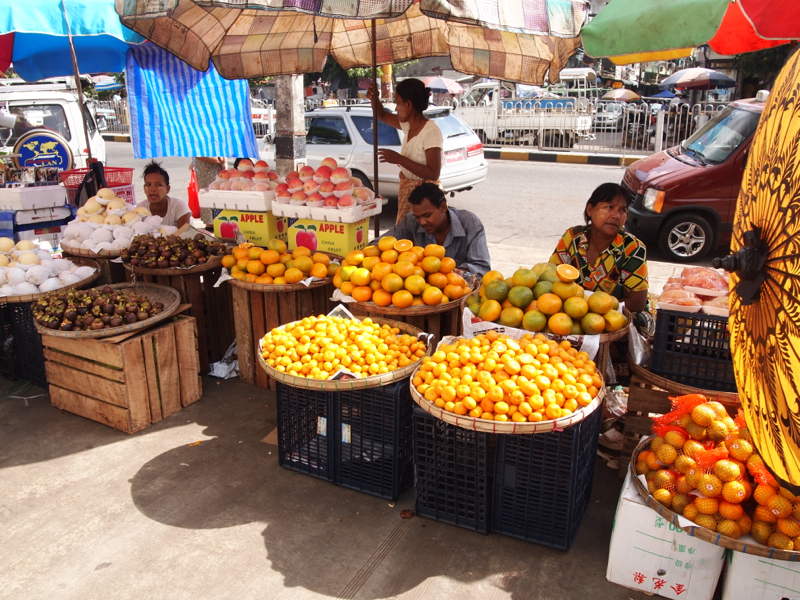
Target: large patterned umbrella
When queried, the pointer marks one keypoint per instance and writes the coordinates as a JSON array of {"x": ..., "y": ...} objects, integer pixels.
[
  {"x": 765, "y": 302},
  {"x": 629, "y": 31},
  {"x": 262, "y": 40}
]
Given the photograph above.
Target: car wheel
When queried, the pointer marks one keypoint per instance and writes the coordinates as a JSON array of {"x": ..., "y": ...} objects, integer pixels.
[
  {"x": 365, "y": 182},
  {"x": 686, "y": 238}
]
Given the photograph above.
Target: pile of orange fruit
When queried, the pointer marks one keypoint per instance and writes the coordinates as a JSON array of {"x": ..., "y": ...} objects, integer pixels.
[
  {"x": 498, "y": 378},
  {"x": 318, "y": 347},
  {"x": 273, "y": 265},
  {"x": 399, "y": 273},
  {"x": 704, "y": 466},
  {"x": 546, "y": 298}
]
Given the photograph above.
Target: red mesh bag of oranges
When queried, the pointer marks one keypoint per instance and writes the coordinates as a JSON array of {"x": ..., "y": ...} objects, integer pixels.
[{"x": 702, "y": 464}]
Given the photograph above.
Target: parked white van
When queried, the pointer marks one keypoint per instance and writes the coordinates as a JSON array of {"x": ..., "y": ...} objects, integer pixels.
[{"x": 50, "y": 105}]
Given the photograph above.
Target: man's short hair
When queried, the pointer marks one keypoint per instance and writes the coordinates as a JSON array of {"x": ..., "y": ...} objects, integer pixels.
[
  {"x": 154, "y": 167},
  {"x": 431, "y": 191}
]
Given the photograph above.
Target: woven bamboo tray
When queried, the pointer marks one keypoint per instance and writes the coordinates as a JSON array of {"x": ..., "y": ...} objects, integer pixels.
[
  {"x": 81, "y": 262},
  {"x": 467, "y": 422},
  {"x": 696, "y": 530},
  {"x": 680, "y": 389},
  {"x": 152, "y": 291},
  {"x": 348, "y": 384},
  {"x": 410, "y": 311},
  {"x": 213, "y": 262},
  {"x": 73, "y": 251},
  {"x": 274, "y": 289},
  {"x": 604, "y": 337}
]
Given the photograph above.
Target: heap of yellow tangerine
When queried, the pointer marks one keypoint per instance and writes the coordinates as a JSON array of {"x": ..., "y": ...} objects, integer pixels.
[
  {"x": 545, "y": 298},
  {"x": 318, "y": 347},
  {"x": 399, "y": 273},
  {"x": 274, "y": 265},
  {"x": 494, "y": 377}
]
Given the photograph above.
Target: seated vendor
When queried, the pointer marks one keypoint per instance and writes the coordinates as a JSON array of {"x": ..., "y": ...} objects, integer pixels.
[
  {"x": 607, "y": 257},
  {"x": 431, "y": 221},
  {"x": 176, "y": 213}
]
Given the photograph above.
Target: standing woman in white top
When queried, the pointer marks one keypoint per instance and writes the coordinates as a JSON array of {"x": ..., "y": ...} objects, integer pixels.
[
  {"x": 175, "y": 213},
  {"x": 420, "y": 159}
]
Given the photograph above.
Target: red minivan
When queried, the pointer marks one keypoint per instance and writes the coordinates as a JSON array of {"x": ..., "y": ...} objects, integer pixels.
[{"x": 685, "y": 197}]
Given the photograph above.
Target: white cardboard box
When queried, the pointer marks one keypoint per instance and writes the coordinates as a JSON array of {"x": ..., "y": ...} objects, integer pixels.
[
  {"x": 750, "y": 576},
  {"x": 33, "y": 197},
  {"x": 236, "y": 200},
  {"x": 651, "y": 555}
]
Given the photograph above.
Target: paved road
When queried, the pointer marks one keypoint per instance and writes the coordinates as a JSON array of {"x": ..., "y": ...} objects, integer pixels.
[{"x": 525, "y": 206}]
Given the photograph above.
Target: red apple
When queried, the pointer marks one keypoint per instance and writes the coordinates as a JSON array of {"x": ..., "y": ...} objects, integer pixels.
[
  {"x": 248, "y": 174},
  {"x": 326, "y": 188},
  {"x": 295, "y": 183},
  {"x": 234, "y": 173},
  {"x": 307, "y": 172},
  {"x": 346, "y": 201},
  {"x": 224, "y": 174},
  {"x": 261, "y": 166},
  {"x": 282, "y": 187},
  {"x": 345, "y": 186},
  {"x": 299, "y": 197},
  {"x": 331, "y": 202},
  {"x": 340, "y": 174},
  {"x": 273, "y": 176},
  {"x": 245, "y": 165},
  {"x": 362, "y": 194},
  {"x": 260, "y": 176},
  {"x": 323, "y": 173},
  {"x": 236, "y": 185},
  {"x": 330, "y": 162},
  {"x": 261, "y": 187},
  {"x": 292, "y": 175},
  {"x": 310, "y": 186},
  {"x": 284, "y": 196},
  {"x": 315, "y": 197},
  {"x": 213, "y": 186}
]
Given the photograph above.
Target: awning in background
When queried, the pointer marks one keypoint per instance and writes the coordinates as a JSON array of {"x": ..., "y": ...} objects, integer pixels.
[{"x": 178, "y": 111}]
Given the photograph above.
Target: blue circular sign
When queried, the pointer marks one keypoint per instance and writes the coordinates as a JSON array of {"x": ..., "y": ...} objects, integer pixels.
[{"x": 42, "y": 148}]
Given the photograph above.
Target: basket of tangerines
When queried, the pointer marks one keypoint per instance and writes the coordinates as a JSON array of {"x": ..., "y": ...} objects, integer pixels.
[
  {"x": 544, "y": 298},
  {"x": 395, "y": 277},
  {"x": 340, "y": 352},
  {"x": 274, "y": 269},
  {"x": 498, "y": 384},
  {"x": 701, "y": 470}
]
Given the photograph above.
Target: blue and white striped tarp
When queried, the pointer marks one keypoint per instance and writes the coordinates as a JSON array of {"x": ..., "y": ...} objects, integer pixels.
[{"x": 177, "y": 111}]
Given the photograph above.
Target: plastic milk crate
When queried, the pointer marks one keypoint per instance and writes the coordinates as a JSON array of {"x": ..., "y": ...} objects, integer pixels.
[
  {"x": 543, "y": 481},
  {"x": 452, "y": 473},
  {"x": 372, "y": 439},
  {"x": 359, "y": 439},
  {"x": 694, "y": 349}
]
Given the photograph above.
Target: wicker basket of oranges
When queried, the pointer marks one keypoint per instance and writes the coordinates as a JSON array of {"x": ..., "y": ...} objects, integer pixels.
[{"x": 497, "y": 384}]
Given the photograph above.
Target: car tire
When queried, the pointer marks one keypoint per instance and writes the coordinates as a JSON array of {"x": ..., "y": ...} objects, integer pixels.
[
  {"x": 686, "y": 238},
  {"x": 365, "y": 182}
]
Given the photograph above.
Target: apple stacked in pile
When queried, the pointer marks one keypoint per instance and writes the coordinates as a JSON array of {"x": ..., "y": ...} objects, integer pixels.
[
  {"x": 329, "y": 186},
  {"x": 248, "y": 177}
]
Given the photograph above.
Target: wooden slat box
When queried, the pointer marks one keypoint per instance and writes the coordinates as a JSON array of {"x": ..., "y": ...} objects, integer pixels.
[{"x": 127, "y": 382}]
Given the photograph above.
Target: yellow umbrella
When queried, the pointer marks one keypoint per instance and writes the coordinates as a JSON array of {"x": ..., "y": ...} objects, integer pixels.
[{"x": 765, "y": 265}]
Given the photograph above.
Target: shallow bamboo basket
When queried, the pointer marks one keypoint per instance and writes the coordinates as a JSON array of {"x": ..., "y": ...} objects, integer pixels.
[
  {"x": 81, "y": 262},
  {"x": 338, "y": 385},
  {"x": 726, "y": 398},
  {"x": 697, "y": 531}
]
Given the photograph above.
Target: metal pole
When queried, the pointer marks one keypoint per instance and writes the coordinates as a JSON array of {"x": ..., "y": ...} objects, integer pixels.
[
  {"x": 78, "y": 83},
  {"x": 375, "y": 99}
]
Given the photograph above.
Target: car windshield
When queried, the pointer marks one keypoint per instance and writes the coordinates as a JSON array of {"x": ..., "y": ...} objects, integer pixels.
[
  {"x": 450, "y": 124},
  {"x": 721, "y": 136},
  {"x": 35, "y": 116},
  {"x": 387, "y": 135}
]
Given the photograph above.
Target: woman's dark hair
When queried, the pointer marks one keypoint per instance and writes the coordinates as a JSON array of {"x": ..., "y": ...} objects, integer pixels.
[
  {"x": 606, "y": 192},
  {"x": 414, "y": 91},
  {"x": 154, "y": 167},
  {"x": 431, "y": 191}
]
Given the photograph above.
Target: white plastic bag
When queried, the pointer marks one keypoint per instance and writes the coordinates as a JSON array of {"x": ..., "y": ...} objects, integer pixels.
[{"x": 228, "y": 367}]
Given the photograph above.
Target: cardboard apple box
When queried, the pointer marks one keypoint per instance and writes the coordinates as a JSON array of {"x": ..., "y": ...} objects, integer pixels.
[
  {"x": 338, "y": 238},
  {"x": 258, "y": 227},
  {"x": 651, "y": 555}
]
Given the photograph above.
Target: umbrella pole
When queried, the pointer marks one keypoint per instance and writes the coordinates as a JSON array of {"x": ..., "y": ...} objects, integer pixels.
[
  {"x": 78, "y": 84},
  {"x": 376, "y": 91}
]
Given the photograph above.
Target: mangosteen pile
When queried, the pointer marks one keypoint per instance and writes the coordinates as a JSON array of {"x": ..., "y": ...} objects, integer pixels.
[
  {"x": 152, "y": 252},
  {"x": 88, "y": 310}
]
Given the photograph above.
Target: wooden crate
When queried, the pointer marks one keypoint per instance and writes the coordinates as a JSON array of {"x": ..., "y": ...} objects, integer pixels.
[
  {"x": 646, "y": 399},
  {"x": 260, "y": 312},
  {"x": 127, "y": 382},
  {"x": 211, "y": 307}
]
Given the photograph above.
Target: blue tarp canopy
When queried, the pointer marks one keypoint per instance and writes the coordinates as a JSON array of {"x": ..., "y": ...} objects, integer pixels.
[
  {"x": 664, "y": 94},
  {"x": 177, "y": 111}
]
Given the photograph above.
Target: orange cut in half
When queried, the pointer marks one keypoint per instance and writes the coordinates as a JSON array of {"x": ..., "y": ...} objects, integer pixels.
[{"x": 567, "y": 273}]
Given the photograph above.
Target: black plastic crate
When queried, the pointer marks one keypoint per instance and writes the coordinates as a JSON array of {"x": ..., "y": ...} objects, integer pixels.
[
  {"x": 8, "y": 357},
  {"x": 305, "y": 430},
  {"x": 694, "y": 349},
  {"x": 543, "y": 481},
  {"x": 27, "y": 342},
  {"x": 452, "y": 473},
  {"x": 372, "y": 439}
]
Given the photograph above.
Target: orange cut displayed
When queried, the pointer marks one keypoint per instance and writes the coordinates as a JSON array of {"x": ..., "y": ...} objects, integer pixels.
[
  {"x": 403, "y": 245},
  {"x": 567, "y": 273}
]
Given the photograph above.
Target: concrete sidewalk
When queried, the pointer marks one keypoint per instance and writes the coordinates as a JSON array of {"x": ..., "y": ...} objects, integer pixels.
[{"x": 197, "y": 507}]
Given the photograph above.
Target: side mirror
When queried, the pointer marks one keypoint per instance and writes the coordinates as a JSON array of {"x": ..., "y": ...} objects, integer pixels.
[{"x": 269, "y": 139}]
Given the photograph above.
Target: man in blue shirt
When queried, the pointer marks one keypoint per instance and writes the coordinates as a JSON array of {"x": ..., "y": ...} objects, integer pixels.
[{"x": 432, "y": 222}]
